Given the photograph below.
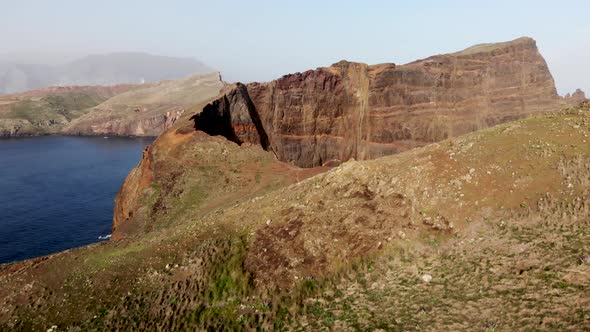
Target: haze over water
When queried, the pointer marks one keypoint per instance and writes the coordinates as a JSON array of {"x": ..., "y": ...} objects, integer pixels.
[{"x": 58, "y": 193}]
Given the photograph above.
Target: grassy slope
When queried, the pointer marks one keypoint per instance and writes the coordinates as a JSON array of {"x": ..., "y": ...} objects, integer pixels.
[
  {"x": 498, "y": 218},
  {"x": 150, "y": 102},
  {"x": 489, "y": 47}
]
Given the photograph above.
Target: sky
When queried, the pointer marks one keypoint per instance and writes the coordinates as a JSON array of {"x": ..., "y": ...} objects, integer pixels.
[{"x": 259, "y": 40}]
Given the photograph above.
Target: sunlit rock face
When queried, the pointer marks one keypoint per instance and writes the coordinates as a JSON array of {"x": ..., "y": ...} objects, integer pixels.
[{"x": 360, "y": 111}]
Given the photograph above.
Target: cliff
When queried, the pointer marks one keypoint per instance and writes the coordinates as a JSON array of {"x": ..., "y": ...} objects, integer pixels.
[{"x": 354, "y": 110}]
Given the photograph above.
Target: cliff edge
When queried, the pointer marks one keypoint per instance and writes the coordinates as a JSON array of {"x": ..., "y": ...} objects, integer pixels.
[{"x": 353, "y": 110}]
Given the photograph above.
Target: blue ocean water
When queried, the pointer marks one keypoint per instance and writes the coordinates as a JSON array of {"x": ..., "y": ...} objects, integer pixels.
[{"x": 58, "y": 192}]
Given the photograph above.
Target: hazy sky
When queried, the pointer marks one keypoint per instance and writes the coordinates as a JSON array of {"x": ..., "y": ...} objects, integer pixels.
[{"x": 261, "y": 40}]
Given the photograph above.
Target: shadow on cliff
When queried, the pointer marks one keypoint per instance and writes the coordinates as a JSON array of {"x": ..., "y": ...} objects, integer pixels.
[
  {"x": 234, "y": 117},
  {"x": 216, "y": 121}
]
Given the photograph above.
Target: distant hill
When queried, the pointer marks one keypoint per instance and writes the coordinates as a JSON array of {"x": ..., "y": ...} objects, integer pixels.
[
  {"x": 147, "y": 111},
  {"x": 103, "y": 69},
  {"x": 48, "y": 110},
  {"x": 124, "y": 109}
]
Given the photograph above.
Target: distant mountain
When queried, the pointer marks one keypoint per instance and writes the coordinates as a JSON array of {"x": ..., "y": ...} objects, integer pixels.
[{"x": 104, "y": 69}]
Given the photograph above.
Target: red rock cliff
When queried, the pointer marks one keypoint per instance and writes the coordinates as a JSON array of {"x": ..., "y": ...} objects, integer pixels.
[{"x": 353, "y": 110}]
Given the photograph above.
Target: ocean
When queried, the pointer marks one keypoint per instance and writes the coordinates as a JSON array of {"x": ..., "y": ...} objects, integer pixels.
[{"x": 58, "y": 192}]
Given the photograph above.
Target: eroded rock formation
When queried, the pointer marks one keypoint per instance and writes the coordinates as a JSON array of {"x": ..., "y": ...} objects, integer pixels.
[
  {"x": 354, "y": 110},
  {"x": 574, "y": 98}
]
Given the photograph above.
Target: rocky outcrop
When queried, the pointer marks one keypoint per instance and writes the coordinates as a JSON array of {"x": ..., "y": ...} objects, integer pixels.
[
  {"x": 115, "y": 126},
  {"x": 128, "y": 198},
  {"x": 14, "y": 127},
  {"x": 354, "y": 110},
  {"x": 234, "y": 117},
  {"x": 575, "y": 98}
]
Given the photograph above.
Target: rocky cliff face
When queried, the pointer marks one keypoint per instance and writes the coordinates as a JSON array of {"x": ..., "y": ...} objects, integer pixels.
[
  {"x": 15, "y": 127},
  {"x": 353, "y": 110},
  {"x": 152, "y": 125},
  {"x": 574, "y": 98}
]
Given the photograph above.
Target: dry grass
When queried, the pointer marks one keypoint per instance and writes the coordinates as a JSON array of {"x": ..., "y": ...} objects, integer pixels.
[{"x": 498, "y": 218}]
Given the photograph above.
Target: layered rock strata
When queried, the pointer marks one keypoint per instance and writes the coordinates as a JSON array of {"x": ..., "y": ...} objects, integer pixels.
[{"x": 360, "y": 111}]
